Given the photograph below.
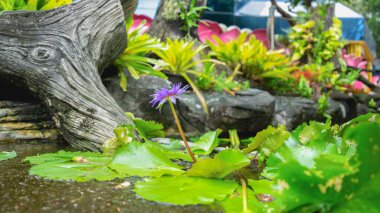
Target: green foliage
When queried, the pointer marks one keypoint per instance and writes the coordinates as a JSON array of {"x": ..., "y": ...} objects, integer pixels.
[
  {"x": 10, "y": 5},
  {"x": 123, "y": 135},
  {"x": 7, "y": 155},
  {"x": 147, "y": 129},
  {"x": 312, "y": 42},
  {"x": 211, "y": 79},
  {"x": 135, "y": 57},
  {"x": 250, "y": 57},
  {"x": 323, "y": 103},
  {"x": 184, "y": 190},
  {"x": 223, "y": 164},
  {"x": 206, "y": 143},
  {"x": 138, "y": 159},
  {"x": 331, "y": 171},
  {"x": 76, "y": 166},
  {"x": 190, "y": 15},
  {"x": 302, "y": 39},
  {"x": 268, "y": 140}
]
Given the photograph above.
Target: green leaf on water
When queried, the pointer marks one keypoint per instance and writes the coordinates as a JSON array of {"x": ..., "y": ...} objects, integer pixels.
[
  {"x": 80, "y": 172},
  {"x": 147, "y": 129},
  {"x": 139, "y": 159},
  {"x": 171, "y": 151},
  {"x": 234, "y": 203},
  {"x": 268, "y": 140},
  {"x": 7, "y": 155},
  {"x": 64, "y": 156},
  {"x": 182, "y": 190},
  {"x": 75, "y": 166},
  {"x": 206, "y": 143},
  {"x": 223, "y": 164}
]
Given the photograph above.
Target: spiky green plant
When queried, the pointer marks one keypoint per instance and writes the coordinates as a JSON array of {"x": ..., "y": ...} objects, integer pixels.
[
  {"x": 10, "y": 5},
  {"x": 251, "y": 56},
  {"x": 178, "y": 57},
  {"x": 135, "y": 57}
]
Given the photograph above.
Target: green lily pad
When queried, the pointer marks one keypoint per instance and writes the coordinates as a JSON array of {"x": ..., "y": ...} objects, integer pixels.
[
  {"x": 7, "y": 155},
  {"x": 223, "y": 164},
  {"x": 234, "y": 202},
  {"x": 74, "y": 166},
  {"x": 172, "y": 151},
  {"x": 268, "y": 140},
  {"x": 64, "y": 156},
  {"x": 80, "y": 172},
  {"x": 182, "y": 190},
  {"x": 330, "y": 171},
  {"x": 206, "y": 143},
  {"x": 139, "y": 159}
]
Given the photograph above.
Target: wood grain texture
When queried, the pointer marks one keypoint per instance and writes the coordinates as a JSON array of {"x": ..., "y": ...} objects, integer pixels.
[{"x": 58, "y": 55}]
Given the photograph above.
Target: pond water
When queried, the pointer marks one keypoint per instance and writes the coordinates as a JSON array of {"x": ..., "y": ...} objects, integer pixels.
[{"x": 20, "y": 192}]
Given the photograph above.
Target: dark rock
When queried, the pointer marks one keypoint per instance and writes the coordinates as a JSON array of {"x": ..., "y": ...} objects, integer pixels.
[
  {"x": 139, "y": 94},
  {"x": 293, "y": 111},
  {"x": 249, "y": 110}
]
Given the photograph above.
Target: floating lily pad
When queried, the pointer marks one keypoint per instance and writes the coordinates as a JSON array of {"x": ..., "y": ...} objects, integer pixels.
[
  {"x": 75, "y": 166},
  {"x": 182, "y": 190},
  {"x": 139, "y": 159},
  {"x": 268, "y": 140},
  {"x": 206, "y": 143},
  {"x": 223, "y": 164},
  {"x": 7, "y": 155}
]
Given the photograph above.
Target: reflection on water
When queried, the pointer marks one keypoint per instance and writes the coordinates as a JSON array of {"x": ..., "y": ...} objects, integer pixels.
[{"x": 20, "y": 192}]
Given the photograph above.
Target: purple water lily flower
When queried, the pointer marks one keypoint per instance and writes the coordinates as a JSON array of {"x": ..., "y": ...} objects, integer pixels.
[{"x": 162, "y": 95}]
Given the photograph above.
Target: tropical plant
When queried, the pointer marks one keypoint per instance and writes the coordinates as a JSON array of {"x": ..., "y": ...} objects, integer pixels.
[
  {"x": 250, "y": 57},
  {"x": 210, "y": 79},
  {"x": 190, "y": 15},
  {"x": 179, "y": 58},
  {"x": 135, "y": 57},
  {"x": 9, "y": 5}
]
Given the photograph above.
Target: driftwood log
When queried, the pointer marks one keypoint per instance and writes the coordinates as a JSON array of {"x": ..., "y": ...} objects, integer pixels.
[{"x": 58, "y": 54}]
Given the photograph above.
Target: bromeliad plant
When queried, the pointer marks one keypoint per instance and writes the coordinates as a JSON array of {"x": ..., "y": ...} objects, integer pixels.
[
  {"x": 135, "y": 57},
  {"x": 250, "y": 57},
  {"x": 179, "y": 58},
  {"x": 10, "y": 5}
]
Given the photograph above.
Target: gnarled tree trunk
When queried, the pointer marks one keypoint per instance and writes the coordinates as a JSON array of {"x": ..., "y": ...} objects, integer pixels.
[{"x": 58, "y": 54}]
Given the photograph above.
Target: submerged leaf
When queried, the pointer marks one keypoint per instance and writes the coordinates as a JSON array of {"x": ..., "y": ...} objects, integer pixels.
[
  {"x": 138, "y": 159},
  {"x": 223, "y": 164},
  {"x": 7, "y": 155},
  {"x": 182, "y": 190}
]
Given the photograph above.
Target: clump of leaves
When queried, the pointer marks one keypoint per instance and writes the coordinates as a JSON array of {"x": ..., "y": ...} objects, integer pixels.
[
  {"x": 135, "y": 57},
  {"x": 250, "y": 57},
  {"x": 210, "y": 79},
  {"x": 10, "y": 5},
  {"x": 7, "y": 155},
  {"x": 178, "y": 57},
  {"x": 190, "y": 15}
]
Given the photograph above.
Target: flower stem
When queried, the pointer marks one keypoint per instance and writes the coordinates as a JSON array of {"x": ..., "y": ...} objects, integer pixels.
[
  {"x": 244, "y": 187},
  {"x": 197, "y": 92},
  {"x": 181, "y": 131}
]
